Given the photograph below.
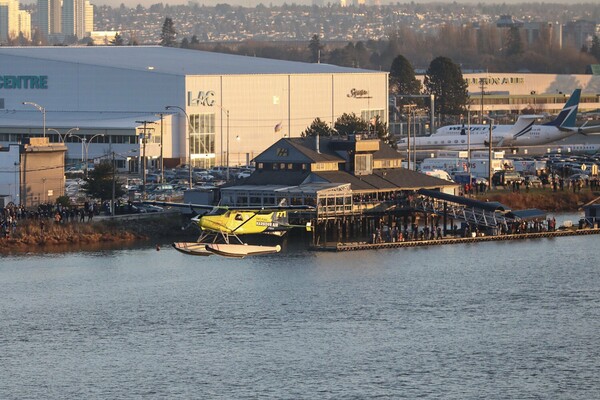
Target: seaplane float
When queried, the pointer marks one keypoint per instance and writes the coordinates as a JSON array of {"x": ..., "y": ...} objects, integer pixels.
[{"x": 222, "y": 226}]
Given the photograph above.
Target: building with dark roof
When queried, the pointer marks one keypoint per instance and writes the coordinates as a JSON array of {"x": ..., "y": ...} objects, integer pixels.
[{"x": 336, "y": 173}]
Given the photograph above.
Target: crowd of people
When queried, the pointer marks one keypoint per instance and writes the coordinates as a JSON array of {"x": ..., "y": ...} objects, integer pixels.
[{"x": 12, "y": 214}]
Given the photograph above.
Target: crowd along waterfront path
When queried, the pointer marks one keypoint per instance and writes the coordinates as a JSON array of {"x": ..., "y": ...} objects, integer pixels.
[{"x": 435, "y": 242}]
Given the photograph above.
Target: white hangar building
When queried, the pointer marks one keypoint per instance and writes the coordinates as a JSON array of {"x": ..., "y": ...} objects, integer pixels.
[{"x": 216, "y": 108}]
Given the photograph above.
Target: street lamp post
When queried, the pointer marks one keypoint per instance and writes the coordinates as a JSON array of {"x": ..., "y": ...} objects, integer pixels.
[
  {"x": 85, "y": 146},
  {"x": 42, "y": 110},
  {"x": 237, "y": 139},
  {"x": 227, "y": 158},
  {"x": 60, "y": 136},
  {"x": 17, "y": 188},
  {"x": 189, "y": 139}
]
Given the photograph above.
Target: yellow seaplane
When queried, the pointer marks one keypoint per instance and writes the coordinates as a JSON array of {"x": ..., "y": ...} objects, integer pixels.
[{"x": 222, "y": 226}]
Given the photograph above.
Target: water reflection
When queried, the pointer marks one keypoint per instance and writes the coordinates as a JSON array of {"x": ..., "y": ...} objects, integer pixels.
[{"x": 484, "y": 320}]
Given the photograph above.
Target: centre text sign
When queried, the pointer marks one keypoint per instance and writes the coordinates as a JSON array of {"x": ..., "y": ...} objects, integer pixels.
[{"x": 23, "y": 82}]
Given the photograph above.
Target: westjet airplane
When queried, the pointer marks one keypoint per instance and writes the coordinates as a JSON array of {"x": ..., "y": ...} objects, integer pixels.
[{"x": 523, "y": 133}]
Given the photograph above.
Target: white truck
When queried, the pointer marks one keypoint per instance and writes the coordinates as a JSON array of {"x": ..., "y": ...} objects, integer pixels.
[{"x": 478, "y": 166}]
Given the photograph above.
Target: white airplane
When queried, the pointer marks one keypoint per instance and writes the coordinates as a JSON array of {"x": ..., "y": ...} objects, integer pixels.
[{"x": 523, "y": 133}]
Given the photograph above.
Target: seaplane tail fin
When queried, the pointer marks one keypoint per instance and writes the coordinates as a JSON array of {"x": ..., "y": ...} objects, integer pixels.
[{"x": 566, "y": 118}]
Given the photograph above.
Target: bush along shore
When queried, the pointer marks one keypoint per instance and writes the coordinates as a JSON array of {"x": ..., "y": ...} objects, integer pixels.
[{"x": 542, "y": 199}]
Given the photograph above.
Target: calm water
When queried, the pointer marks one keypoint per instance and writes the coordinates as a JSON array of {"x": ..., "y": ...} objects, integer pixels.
[{"x": 505, "y": 320}]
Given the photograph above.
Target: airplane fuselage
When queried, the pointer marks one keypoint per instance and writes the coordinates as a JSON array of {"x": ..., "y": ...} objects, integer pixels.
[
  {"x": 457, "y": 137},
  {"x": 242, "y": 222}
]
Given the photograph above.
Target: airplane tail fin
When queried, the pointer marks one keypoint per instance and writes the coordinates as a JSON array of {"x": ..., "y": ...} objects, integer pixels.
[{"x": 566, "y": 117}]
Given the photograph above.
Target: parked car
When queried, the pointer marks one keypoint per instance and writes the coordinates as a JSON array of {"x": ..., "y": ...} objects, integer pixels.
[
  {"x": 503, "y": 178},
  {"x": 243, "y": 174},
  {"x": 533, "y": 181}
]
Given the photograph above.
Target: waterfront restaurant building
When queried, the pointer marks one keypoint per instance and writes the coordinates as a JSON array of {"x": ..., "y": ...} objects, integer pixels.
[
  {"x": 222, "y": 109},
  {"x": 337, "y": 175}
]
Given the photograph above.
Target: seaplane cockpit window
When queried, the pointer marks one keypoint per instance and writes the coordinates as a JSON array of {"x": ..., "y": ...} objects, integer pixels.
[
  {"x": 238, "y": 217},
  {"x": 218, "y": 211}
]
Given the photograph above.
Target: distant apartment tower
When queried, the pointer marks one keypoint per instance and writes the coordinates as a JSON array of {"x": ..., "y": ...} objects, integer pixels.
[
  {"x": 579, "y": 33},
  {"x": 73, "y": 21},
  {"x": 88, "y": 18},
  {"x": 49, "y": 13},
  {"x": 543, "y": 32},
  {"x": 25, "y": 24},
  {"x": 9, "y": 20}
]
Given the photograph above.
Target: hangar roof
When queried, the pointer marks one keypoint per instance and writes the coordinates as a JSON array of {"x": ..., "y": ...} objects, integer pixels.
[
  {"x": 174, "y": 61},
  {"x": 69, "y": 119}
]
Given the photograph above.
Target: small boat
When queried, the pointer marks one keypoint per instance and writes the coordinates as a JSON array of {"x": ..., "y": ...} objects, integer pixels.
[
  {"x": 192, "y": 248},
  {"x": 240, "y": 250}
]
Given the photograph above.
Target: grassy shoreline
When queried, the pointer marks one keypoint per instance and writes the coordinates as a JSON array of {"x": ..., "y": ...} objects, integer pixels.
[
  {"x": 29, "y": 233},
  {"x": 542, "y": 199}
]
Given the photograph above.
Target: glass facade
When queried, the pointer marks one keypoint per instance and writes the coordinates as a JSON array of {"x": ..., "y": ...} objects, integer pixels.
[{"x": 202, "y": 136}]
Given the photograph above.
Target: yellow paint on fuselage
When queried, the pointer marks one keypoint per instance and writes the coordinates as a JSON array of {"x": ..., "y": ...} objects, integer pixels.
[{"x": 242, "y": 222}]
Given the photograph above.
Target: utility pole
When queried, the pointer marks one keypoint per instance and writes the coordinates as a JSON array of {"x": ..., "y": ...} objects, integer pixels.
[
  {"x": 114, "y": 186},
  {"x": 144, "y": 140},
  {"x": 490, "y": 154},
  {"x": 482, "y": 86}
]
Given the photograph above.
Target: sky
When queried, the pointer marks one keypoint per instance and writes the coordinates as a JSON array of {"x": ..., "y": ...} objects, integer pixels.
[{"x": 253, "y": 3}]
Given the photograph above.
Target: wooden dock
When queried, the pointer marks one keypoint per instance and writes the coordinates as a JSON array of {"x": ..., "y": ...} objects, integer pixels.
[{"x": 436, "y": 242}]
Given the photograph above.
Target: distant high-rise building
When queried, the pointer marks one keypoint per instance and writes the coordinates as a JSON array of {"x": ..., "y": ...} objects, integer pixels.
[
  {"x": 89, "y": 18},
  {"x": 549, "y": 33},
  {"x": 579, "y": 33},
  {"x": 49, "y": 17},
  {"x": 73, "y": 21},
  {"x": 25, "y": 24},
  {"x": 9, "y": 20}
]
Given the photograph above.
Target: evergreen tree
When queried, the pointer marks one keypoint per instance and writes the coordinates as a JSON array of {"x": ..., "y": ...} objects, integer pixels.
[
  {"x": 350, "y": 124},
  {"x": 595, "y": 49},
  {"x": 168, "y": 33},
  {"x": 444, "y": 79},
  {"x": 99, "y": 182},
  {"x": 118, "y": 40},
  {"x": 381, "y": 130},
  {"x": 514, "y": 43},
  {"x": 403, "y": 81},
  {"x": 194, "y": 42},
  {"x": 318, "y": 127},
  {"x": 315, "y": 48},
  {"x": 185, "y": 44}
]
